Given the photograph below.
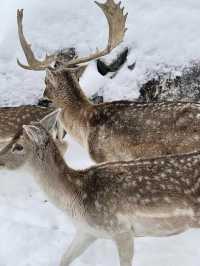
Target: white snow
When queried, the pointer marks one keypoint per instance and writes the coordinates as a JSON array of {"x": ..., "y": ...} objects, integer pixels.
[
  {"x": 159, "y": 33},
  {"x": 32, "y": 231}
]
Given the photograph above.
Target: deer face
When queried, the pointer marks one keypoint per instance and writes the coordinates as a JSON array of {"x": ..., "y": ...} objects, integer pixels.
[
  {"x": 16, "y": 153},
  {"x": 29, "y": 144}
]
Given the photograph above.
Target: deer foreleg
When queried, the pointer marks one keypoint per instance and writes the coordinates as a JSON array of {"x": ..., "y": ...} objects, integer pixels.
[
  {"x": 79, "y": 244},
  {"x": 125, "y": 246}
]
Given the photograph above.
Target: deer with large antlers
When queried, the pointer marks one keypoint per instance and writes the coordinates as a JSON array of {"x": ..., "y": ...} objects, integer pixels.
[
  {"x": 120, "y": 130},
  {"x": 117, "y": 200}
]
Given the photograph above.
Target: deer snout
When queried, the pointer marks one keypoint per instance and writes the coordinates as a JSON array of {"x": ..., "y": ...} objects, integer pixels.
[{"x": 2, "y": 164}]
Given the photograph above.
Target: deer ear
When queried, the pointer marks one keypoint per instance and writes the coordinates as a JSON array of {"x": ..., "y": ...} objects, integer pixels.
[
  {"x": 49, "y": 121},
  {"x": 33, "y": 133}
]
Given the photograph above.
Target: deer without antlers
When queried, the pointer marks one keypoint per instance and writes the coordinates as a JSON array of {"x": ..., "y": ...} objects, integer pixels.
[
  {"x": 120, "y": 130},
  {"x": 116, "y": 200}
]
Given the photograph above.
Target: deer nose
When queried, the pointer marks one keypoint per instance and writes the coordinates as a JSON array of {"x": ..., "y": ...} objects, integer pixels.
[{"x": 2, "y": 164}]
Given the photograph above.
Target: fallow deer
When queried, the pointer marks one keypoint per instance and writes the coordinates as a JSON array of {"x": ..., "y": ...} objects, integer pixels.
[
  {"x": 117, "y": 200},
  {"x": 120, "y": 130},
  {"x": 13, "y": 118}
]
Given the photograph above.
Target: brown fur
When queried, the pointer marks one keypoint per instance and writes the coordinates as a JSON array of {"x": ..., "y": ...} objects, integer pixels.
[
  {"x": 12, "y": 118},
  {"x": 123, "y": 130}
]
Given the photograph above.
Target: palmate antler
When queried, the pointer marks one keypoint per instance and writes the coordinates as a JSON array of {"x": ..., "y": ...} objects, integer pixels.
[
  {"x": 116, "y": 21},
  {"x": 33, "y": 63}
]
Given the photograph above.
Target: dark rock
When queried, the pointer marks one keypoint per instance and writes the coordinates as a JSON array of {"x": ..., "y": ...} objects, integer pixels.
[
  {"x": 44, "y": 102},
  {"x": 184, "y": 86},
  {"x": 96, "y": 99},
  {"x": 104, "y": 68},
  {"x": 132, "y": 66}
]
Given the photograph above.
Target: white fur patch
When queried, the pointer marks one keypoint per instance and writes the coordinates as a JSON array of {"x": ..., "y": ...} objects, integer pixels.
[{"x": 177, "y": 212}]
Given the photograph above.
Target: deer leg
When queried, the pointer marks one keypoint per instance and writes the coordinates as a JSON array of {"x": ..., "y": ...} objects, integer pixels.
[
  {"x": 125, "y": 246},
  {"x": 79, "y": 244}
]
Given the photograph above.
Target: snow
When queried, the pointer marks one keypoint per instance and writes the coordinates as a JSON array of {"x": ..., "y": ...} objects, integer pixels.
[{"x": 160, "y": 33}]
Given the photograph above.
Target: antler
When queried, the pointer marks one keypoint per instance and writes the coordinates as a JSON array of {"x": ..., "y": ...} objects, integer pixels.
[
  {"x": 116, "y": 21},
  {"x": 33, "y": 63}
]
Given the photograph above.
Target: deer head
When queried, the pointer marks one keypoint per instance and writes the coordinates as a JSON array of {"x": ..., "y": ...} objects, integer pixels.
[
  {"x": 27, "y": 143},
  {"x": 70, "y": 68},
  {"x": 72, "y": 63}
]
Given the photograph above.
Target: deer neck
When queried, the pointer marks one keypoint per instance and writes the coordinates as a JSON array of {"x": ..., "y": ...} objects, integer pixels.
[
  {"x": 75, "y": 107},
  {"x": 69, "y": 93},
  {"x": 59, "y": 182}
]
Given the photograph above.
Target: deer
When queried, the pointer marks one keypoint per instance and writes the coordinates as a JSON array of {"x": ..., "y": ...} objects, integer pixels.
[
  {"x": 13, "y": 118},
  {"x": 119, "y": 130},
  {"x": 112, "y": 200}
]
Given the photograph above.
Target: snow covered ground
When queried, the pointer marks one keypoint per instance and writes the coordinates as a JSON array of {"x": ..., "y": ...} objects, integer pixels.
[
  {"x": 158, "y": 32},
  {"x": 32, "y": 231}
]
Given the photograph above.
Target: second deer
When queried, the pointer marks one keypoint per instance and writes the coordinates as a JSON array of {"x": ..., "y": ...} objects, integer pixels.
[{"x": 120, "y": 200}]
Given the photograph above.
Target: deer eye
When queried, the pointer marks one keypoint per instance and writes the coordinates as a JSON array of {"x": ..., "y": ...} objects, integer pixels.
[{"x": 17, "y": 147}]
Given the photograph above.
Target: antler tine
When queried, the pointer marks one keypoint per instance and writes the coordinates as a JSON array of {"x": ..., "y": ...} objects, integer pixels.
[
  {"x": 117, "y": 22},
  {"x": 33, "y": 62}
]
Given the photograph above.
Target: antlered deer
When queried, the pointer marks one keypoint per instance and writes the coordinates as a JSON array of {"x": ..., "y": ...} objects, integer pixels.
[
  {"x": 116, "y": 200},
  {"x": 120, "y": 130}
]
